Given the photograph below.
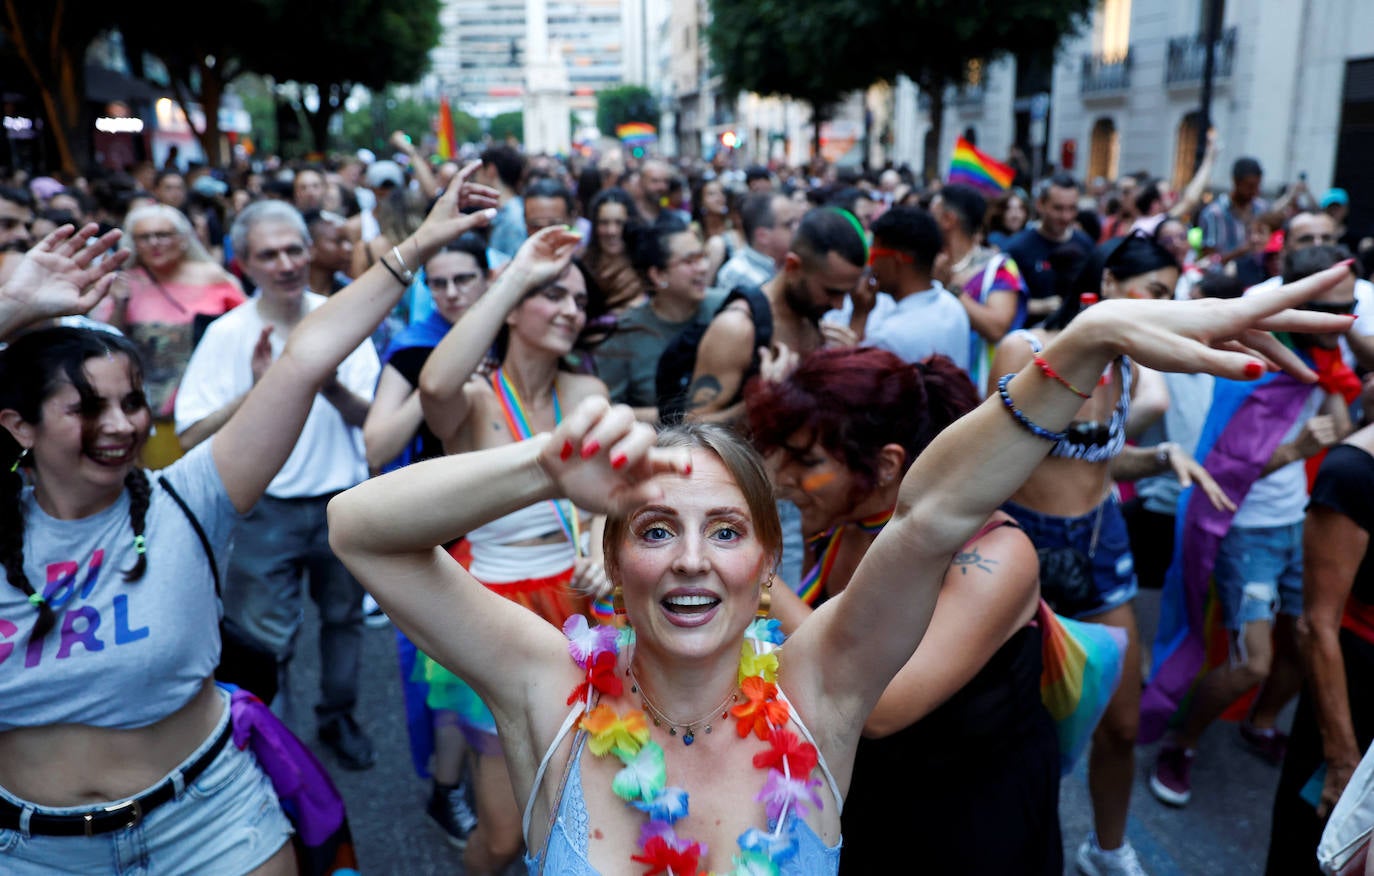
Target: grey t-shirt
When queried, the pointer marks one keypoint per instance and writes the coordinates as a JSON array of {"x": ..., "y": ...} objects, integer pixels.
[
  {"x": 122, "y": 655},
  {"x": 628, "y": 361}
]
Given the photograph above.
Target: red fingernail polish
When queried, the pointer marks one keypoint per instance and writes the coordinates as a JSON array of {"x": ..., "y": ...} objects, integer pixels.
[
  {"x": 566, "y": 453},
  {"x": 1345, "y": 264},
  {"x": 619, "y": 460},
  {"x": 590, "y": 448},
  {"x": 687, "y": 469},
  {"x": 1253, "y": 370}
]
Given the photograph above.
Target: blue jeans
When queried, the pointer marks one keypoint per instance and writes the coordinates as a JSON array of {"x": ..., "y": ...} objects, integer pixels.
[
  {"x": 280, "y": 545},
  {"x": 1113, "y": 567},
  {"x": 226, "y": 821},
  {"x": 1259, "y": 573}
]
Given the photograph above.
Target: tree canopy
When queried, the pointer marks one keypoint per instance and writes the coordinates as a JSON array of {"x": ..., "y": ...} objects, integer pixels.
[{"x": 623, "y": 104}]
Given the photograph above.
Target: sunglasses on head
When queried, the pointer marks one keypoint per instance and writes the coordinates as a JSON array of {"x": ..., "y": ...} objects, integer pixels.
[{"x": 1344, "y": 308}]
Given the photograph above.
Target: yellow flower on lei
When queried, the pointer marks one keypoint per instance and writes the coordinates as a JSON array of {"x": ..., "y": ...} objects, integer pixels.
[
  {"x": 764, "y": 666},
  {"x": 623, "y": 734}
]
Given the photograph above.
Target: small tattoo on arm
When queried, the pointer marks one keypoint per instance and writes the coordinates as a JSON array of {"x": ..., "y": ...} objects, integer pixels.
[
  {"x": 964, "y": 559},
  {"x": 704, "y": 390}
]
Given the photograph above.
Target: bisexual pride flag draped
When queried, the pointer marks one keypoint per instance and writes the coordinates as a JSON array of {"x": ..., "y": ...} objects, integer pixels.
[
  {"x": 1247, "y": 421},
  {"x": 971, "y": 167}
]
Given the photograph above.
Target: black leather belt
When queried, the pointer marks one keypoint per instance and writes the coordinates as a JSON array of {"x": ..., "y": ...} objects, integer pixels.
[{"x": 117, "y": 816}]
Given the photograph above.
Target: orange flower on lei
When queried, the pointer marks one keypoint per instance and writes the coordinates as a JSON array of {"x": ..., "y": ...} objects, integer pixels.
[
  {"x": 607, "y": 731},
  {"x": 760, "y": 708}
]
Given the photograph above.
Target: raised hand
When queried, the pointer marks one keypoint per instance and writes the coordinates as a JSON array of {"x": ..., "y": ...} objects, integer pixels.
[
  {"x": 605, "y": 461},
  {"x": 59, "y": 276},
  {"x": 1228, "y": 338},
  {"x": 545, "y": 255},
  {"x": 447, "y": 221},
  {"x": 262, "y": 354}
]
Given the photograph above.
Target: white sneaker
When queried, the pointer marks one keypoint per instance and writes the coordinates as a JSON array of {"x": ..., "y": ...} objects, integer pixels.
[
  {"x": 373, "y": 616},
  {"x": 1093, "y": 860}
]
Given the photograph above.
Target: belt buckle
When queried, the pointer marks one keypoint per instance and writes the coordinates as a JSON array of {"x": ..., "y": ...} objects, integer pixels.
[{"x": 131, "y": 806}]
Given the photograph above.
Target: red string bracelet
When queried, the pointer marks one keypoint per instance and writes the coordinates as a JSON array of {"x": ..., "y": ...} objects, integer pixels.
[{"x": 1049, "y": 372}]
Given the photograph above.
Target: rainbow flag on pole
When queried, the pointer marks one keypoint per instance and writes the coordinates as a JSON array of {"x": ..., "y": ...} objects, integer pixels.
[
  {"x": 445, "y": 131},
  {"x": 978, "y": 169}
]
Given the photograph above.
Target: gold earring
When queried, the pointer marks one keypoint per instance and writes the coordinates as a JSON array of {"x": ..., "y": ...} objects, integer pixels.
[
  {"x": 765, "y": 598},
  {"x": 618, "y": 601}
]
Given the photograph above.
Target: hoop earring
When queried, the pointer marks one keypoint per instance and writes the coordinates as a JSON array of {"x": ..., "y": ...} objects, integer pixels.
[{"x": 765, "y": 598}]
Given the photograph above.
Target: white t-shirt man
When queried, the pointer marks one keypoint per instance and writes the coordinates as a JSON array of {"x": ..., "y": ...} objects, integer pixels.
[
  {"x": 923, "y": 324},
  {"x": 329, "y": 456}
]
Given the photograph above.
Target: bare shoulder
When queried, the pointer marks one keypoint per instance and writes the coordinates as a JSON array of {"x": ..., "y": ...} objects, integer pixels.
[
  {"x": 732, "y": 328},
  {"x": 576, "y": 387}
]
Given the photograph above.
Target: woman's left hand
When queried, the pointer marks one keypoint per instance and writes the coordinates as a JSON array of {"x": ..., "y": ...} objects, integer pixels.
[
  {"x": 1228, "y": 338},
  {"x": 1188, "y": 470}
]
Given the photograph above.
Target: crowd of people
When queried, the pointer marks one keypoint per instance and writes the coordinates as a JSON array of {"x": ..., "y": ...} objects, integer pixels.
[{"x": 640, "y": 430}]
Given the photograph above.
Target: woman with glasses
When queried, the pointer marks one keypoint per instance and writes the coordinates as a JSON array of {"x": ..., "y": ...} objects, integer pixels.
[
  {"x": 173, "y": 290},
  {"x": 1069, "y": 509}
]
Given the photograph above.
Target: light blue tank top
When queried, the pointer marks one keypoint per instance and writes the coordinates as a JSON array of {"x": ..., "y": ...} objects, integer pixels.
[{"x": 567, "y": 844}]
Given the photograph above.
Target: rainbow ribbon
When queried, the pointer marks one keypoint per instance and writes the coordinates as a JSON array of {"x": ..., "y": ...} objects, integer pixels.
[{"x": 814, "y": 583}]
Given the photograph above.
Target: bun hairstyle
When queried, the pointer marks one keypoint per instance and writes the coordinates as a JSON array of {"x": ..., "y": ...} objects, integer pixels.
[
  {"x": 32, "y": 368},
  {"x": 853, "y": 401}
]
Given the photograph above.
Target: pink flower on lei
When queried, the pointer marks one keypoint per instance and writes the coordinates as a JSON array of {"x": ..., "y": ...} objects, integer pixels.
[{"x": 797, "y": 795}]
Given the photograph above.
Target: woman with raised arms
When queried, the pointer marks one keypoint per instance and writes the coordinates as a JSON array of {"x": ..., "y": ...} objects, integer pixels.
[{"x": 760, "y": 740}]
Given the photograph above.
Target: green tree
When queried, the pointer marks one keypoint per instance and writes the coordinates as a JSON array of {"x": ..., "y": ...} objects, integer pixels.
[
  {"x": 202, "y": 61},
  {"x": 623, "y": 104},
  {"x": 508, "y": 126},
  {"x": 818, "y": 51},
  {"x": 50, "y": 39},
  {"x": 372, "y": 43}
]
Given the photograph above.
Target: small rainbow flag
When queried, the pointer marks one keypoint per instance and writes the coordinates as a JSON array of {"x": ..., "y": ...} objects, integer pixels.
[
  {"x": 636, "y": 134},
  {"x": 978, "y": 169},
  {"x": 445, "y": 131}
]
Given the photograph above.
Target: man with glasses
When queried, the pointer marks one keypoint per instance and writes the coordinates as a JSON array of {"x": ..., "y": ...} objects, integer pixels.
[
  {"x": 927, "y": 319},
  {"x": 1258, "y": 571},
  {"x": 282, "y": 545},
  {"x": 16, "y": 216}
]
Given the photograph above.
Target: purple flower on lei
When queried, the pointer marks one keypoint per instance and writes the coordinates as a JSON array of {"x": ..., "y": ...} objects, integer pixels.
[
  {"x": 794, "y": 794},
  {"x": 585, "y": 641}
]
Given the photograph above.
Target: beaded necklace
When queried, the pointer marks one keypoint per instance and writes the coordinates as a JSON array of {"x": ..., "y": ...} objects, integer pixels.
[{"x": 788, "y": 789}]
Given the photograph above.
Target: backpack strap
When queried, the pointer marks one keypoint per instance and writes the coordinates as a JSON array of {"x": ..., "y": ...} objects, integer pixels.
[{"x": 195, "y": 524}]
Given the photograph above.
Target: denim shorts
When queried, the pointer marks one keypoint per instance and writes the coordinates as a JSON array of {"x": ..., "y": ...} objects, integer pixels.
[
  {"x": 1259, "y": 573},
  {"x": 1113, "y": 568},
  {"x": 227, "y": 821}
]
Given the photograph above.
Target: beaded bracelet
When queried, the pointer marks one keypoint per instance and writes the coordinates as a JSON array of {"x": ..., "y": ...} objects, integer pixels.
[
  {"x": 1048, "y": 371},
  {"x": 1022, "y": 420}
]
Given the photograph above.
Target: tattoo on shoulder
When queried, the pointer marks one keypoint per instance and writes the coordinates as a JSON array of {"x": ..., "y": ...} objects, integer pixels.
[
  {"x": 964, "y": 560},
  {"x": 704, "y": 390}
]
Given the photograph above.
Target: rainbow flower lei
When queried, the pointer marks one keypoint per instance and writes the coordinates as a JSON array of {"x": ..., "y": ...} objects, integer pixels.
[{"x": 643, "y": 782}]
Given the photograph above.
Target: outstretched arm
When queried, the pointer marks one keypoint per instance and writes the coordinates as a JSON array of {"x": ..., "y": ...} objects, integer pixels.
[
  {"x": 59, "y": 277},
  {"x": 253, "y": 445},
  {"x": 848, "y": 653},
  {"x": 443, "y": 396}
]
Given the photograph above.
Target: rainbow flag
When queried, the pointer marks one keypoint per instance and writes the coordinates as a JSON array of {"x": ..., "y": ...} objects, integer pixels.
[
  {"x": 1081, "y": 668},
  {"x": 445, "y": 129},
  {"x": 636, "y": 134},
  {"x": 978, "y": 169}
]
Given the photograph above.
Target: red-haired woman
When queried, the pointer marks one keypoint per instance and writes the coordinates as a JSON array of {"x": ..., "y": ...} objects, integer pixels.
[{"x": 960, "y": 738}]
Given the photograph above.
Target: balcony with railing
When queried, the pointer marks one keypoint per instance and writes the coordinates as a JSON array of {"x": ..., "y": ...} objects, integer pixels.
[
  {"x": 1187, "y": 55},
  {"x": 1105, "y": 75}
]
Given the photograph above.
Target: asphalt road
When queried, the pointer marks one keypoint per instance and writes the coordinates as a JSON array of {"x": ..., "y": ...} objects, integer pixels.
[{"x": 1224, "y": 831}]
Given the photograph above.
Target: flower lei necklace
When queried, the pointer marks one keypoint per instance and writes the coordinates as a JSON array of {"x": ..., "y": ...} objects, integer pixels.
[{"x": 643, "y": 783}]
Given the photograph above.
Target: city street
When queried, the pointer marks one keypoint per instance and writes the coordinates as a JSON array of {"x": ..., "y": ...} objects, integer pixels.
[{"x": 1224, "y": 831}]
